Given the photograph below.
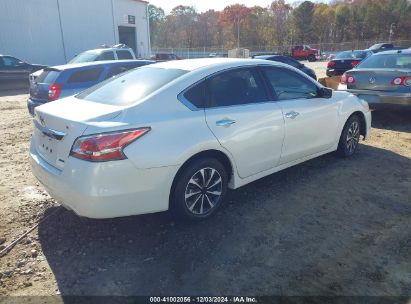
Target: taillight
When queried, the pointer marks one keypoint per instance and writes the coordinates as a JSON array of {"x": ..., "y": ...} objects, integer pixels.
[
  {"x": 54, "y": 91},
  {"x": 105, "y": 146},
  {"x": 330, "y": 64},
  {"x": 355, "y": 63},
  {"x": 405, "y": 81},
  {"x": 347, "y": 79}
]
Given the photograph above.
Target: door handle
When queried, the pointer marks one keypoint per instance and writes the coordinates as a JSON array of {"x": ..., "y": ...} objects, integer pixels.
[
  {"x": 225, "y": 122},
  {"x": 291, "y": 114}
]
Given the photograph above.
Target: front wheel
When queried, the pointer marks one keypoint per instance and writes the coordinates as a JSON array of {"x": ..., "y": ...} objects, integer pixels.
[
  {"x": 199, "y": 190},
  {"x": 350, "y": 137}
]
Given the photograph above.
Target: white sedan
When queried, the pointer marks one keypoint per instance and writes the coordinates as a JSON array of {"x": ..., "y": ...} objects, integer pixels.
[{"x": 175, "y": 135}]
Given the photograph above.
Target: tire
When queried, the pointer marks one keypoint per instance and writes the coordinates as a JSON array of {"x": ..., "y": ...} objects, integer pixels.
[
  {"x": 311, "y": 58},
  {"x": 199, "y": 190},
  {"x": 350, "y": 137}
]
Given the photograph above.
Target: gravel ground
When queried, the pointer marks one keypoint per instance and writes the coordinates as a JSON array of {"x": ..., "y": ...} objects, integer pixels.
[{"x": 329, "y": 226}]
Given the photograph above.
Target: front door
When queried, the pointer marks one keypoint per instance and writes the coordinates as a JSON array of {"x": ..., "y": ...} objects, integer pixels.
[
  {"x": 244, "y": 119},
  {"x": 310, "y": 121}
]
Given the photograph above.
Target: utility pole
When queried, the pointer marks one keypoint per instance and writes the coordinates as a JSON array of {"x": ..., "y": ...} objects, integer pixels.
[{"x": 238, "y": 31}]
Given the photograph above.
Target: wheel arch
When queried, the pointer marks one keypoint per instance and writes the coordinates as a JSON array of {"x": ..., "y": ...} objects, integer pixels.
[
  {"x": 213, "y": 153},
  {"x": 363, "y": 127}
]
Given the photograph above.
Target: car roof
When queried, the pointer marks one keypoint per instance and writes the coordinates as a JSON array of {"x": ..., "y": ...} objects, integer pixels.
[
  {"x": 96, "y": 63},
  {"x": 194, "y": 64},
  {"x": 403, "y": 51}
]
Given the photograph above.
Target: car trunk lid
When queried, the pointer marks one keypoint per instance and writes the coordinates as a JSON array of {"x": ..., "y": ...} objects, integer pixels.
[
  {"x": 375, "y": 79},
  {"x": 58, "y": 124}
]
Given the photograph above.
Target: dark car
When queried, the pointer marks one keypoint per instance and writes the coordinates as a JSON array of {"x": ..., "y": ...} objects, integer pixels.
[
  {"x": 380, "y": 47},
  {"x": 344, "y": 61},
  {"x": 66, "y": 80},
  {"x": 383, "y": 79},
  {"x": 13, "y": 69},
  {"x": 289, "y": 61},
  {"x": 165, "y": 57}
]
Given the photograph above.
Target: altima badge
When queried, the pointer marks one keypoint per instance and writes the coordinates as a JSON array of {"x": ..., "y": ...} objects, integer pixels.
[{"x": 371, "y": 80}]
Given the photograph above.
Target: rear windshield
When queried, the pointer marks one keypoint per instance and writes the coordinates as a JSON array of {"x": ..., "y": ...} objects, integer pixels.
[
  {"x": 349, "y": 55},
  {"x": 387, "y": 61},
  {"x": 130, "y": 87},
  {"x": 84, "y": 57},
  {"x": 47, "y": 76}
]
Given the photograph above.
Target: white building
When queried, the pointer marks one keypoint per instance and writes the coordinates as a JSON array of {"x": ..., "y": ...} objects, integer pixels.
[{"x": 52, "y": 32}]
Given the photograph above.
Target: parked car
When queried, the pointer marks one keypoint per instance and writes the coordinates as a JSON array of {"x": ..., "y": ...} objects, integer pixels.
[
  {"x": 381, "y": 79},
  {"x": 290, "y": 61},
  {"x": 66, "y": 80},
  {"x": 116, "y": 52},
  {"x": 165, "y": 57},
  {"x": 14, "y": 69},
  {"x": 175, "y": 135},
  {"x": 304, "y": 52},
  {"x": 344, "y": 61},
  {"x": 380, "y": 47}
]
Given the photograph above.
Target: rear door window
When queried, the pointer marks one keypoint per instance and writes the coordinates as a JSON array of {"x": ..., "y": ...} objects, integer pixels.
[
  {"x": 196, "y": 95},
  {"x": 236, "y": 87},
  {"x": 88, "y": 75},
  {"x": 105, "y": 56},
  {"x": 124, "y": 55}
]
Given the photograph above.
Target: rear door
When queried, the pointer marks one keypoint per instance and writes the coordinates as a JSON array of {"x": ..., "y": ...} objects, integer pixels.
[
  {"x": 311, "y": 122},
  {"x": 245, "y": 119}
]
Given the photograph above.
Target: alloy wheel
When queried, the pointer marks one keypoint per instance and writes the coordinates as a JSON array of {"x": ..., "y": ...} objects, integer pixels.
[
  {"x": 353, "y": 137},
  {"x": 203, "y": 191}
]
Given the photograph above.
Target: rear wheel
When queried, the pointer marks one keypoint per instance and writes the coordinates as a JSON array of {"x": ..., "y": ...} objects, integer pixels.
[
  {"x": 350, "y": 137},
  {"x": 199, "y": 190},
  {"x": 311, "y": 58}
]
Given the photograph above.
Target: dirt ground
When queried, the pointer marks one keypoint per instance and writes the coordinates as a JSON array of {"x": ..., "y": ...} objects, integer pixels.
[{"x": 330, "y": 226}]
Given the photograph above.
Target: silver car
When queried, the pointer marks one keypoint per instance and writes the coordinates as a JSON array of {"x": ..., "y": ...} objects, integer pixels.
[{"x": 381, "y": 79}]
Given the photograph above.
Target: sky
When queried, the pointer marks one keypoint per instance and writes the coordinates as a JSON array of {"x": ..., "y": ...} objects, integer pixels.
[{"x": 204, "y": 5}]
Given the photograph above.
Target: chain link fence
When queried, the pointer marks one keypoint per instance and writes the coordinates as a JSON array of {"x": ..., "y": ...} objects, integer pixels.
[{"x": 324, "y": 48}]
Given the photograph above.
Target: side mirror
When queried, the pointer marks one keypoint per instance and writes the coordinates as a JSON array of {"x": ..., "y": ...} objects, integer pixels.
[{"x": 325, "y": 93}]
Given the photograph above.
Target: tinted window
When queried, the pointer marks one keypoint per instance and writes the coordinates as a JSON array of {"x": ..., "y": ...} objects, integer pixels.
[
  {"x": 85, "y": 75},
  {"x": 236, "y": 87},
  {"x": 195, "y": 95},
  {"x": 10, "y": 61},
  {"x": 124, "y": 55},
  {"x": 115, "y": 70},
  {"x": 351, "y": 55},
  {"x": 387, "y": 61},
  {"x": 131, "y": 87},
  {"x": 105, "y": 56},
  {"x": 290, "y": 85},
  {"x": 291, "y": 62},
  {"x": 47, "y": 77}
]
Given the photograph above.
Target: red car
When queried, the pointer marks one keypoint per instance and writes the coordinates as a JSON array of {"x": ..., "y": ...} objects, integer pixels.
[{"x": 304, "y": 52}]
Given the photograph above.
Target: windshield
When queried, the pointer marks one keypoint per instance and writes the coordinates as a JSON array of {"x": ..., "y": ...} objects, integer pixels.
[
  {"x": 130, "y": 87},
  {"x": 84, "y": 57},
  {"x": 351, "y": 55},
  {"x": 387, "y": 61}
]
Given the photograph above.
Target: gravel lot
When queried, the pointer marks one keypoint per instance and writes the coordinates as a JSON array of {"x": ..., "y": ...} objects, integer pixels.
[{"x": 330, "y": 226}]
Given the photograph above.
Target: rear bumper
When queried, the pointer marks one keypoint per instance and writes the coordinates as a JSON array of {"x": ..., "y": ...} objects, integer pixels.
[
  {"x": 375, "y": 98},
  {"x": 32, "y": 104},
  {"x": 107, "y": 189}
]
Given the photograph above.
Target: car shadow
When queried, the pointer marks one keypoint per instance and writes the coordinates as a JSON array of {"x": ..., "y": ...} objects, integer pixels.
[
  {"x": 392, "y": 119},
  {"x": 328, "y": 226}
]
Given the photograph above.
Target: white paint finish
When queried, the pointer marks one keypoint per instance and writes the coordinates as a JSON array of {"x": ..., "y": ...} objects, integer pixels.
[
  {"x": 32, "y": 30},
  {"x": 142, "y": 183},
  {"x": 255, "y": 139},
  {"x": 313, "y": 130}
]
